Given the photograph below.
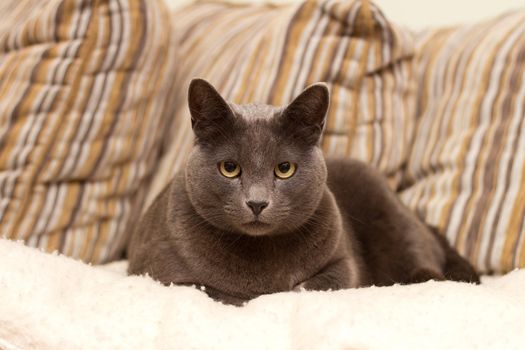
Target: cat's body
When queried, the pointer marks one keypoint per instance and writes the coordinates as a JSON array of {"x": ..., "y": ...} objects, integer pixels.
[{"x": 239, "y": 224}]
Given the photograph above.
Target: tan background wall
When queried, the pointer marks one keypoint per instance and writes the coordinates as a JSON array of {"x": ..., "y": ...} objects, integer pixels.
[{"x": 418, "y": 14}]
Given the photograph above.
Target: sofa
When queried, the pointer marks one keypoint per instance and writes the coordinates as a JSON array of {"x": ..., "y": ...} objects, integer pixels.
[{"x": 94, "y": 124}]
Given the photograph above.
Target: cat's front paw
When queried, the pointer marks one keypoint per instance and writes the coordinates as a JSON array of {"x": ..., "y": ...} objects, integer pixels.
[
  {"x": 320, "y": 284},
  {"x": 334, "y": 276},
  {"x": 300, "y": 287},
  {"x": 422, "y": 275}
]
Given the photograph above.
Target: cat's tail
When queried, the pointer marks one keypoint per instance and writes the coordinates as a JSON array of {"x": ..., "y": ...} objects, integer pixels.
[{"x": 456, "y": 267}]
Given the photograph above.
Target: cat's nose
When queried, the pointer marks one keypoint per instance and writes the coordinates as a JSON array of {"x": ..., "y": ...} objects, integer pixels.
[{"x": 257, "y": 206}]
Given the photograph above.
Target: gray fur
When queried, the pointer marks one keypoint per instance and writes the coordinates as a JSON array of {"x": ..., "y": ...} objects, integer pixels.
[{"x": 332, "y": 225}]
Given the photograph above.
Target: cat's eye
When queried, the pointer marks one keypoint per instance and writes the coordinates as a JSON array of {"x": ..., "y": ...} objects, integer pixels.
[
  {"x": 229, "y": 169},
  {"x": 284, "y": 170}
]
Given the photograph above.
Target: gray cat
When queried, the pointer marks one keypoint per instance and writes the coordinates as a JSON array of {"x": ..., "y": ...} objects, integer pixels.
[{"x": 258, "y": 210}]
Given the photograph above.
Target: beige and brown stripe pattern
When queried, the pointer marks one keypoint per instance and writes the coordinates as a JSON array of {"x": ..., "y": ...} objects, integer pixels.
[
  {"x": 466, "y": 172},
  {"x": 270, "y": 53},
  {"x": 84, "y": 91}
]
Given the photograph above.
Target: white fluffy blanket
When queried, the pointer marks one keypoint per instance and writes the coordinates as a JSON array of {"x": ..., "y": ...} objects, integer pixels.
[{"x": 53, "y": 302}]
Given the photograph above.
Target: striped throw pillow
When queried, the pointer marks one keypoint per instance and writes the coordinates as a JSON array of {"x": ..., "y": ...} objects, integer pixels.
[
  {"x": 466, "y": 172},
  {"x": 84, "y": 88},
  {"x": 270, "y": 53}
]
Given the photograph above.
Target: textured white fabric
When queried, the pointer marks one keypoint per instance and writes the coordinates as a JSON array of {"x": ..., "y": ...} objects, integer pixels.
[{"x": 54, "y": 302}]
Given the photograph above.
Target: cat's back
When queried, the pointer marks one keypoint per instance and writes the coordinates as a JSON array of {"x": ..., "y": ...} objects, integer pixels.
[
  {"x": 358, "y": 187},
  {"x": 393, "y": 242}
]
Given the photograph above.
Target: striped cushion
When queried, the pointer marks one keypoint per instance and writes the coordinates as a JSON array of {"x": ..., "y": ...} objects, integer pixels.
[
  {"x": 466, "y": 172},
  {"x": 270, "y": 53},
  {"x": 82, "y": 106}
]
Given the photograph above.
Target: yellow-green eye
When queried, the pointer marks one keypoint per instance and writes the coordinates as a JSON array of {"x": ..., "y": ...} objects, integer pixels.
[
  {"x": 284, "y": 170},
  {"x": 229, "y": 168}
]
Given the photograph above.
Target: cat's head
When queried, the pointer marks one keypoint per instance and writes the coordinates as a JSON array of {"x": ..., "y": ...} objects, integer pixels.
[{"x": 256, "y": 169}]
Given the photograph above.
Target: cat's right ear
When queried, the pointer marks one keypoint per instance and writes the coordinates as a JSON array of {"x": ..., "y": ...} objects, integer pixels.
[{"x": 211, "y": 115}]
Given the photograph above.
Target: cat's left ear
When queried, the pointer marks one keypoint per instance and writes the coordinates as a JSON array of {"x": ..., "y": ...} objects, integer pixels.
[{"x": 304, "y": 118}]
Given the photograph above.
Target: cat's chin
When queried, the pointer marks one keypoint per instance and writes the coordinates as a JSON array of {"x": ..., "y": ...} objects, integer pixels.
[{"x": 257, "y": 228}]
